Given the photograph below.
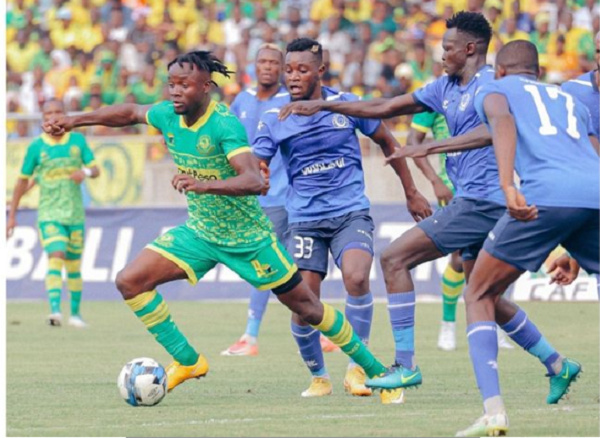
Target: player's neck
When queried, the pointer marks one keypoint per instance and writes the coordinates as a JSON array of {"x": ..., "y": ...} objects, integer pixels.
[
  {"x": 471, "y": 70},
  {"x": 190, "y": 119},
  {"x": 597, "y": 77},
  {"x": 265, "y": 92}
]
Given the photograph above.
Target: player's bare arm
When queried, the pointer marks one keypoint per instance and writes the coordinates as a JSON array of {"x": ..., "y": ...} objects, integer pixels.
[
  {"x": 441, "y": 192},
  {"x": 504, "y": 136},
  {"x": 21, "y": 188},
  {"x": 595, "y": 144},
  {"x": 475, "y": 139},
  {"x": 89, "y": 172},
  {"x": 416, "y": 203},
  {"x": 249, "y": 180},
  {"x": 369, "y": 109},
  {"x": 114, "y": 116}
]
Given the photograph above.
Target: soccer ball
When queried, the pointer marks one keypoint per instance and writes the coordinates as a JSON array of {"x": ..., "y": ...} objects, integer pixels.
[{"x": 142, "y": 382}]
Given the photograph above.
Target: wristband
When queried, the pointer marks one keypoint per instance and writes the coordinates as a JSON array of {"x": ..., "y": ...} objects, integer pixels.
[{"x": 87, "y": 171}]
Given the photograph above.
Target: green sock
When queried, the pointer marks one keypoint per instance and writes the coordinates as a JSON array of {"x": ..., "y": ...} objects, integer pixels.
[
  {"x": 452, "y": 286},
  {"x": 74, "y": 284},
  {"x": 54, "y": 283},
  {"x": 337, "y": 328},
  {"x": 151, "y": 309}
]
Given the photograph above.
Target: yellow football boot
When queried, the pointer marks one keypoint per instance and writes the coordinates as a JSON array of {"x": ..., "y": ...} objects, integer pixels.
[
  {"x": 354, "y": 382},
  {"x": 392, "y": 396},
  {"x": 177, "y": 373},
  {"x": 319, "y": 387}
]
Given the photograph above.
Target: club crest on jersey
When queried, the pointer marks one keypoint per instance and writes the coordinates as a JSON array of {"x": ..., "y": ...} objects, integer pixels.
[
  {"x": 445, "y": 104},
  {"x": 170, "y": 139},
  {"x": 340, "y": 121},
  {"x": 464, "y": 101},
  {"x": 75, "y": 152},
  {"x": 204, "y": 147},
  {"x": 243, "y": 115}
]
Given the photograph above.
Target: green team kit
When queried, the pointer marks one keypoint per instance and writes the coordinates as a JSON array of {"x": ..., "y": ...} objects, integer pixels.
[
  {"x": 60, "y": 212},
  {"x": 232, "y": 230},
  {"x": 425, "y": 121}
]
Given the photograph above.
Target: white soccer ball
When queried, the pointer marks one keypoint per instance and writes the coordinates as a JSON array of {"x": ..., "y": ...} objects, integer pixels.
[{"x": 142, "y": 382}]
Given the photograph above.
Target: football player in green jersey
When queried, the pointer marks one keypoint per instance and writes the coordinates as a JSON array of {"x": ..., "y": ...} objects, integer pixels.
[
  {"x": 221, "y": 178},
  {"x": 60, "y": 162}
]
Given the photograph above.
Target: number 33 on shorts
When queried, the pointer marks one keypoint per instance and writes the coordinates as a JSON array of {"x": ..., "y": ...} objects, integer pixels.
[{"x": 304, "y": 247}]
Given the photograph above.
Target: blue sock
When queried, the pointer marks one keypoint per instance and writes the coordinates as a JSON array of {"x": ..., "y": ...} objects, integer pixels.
[
  {"x": 402, "y": 316},
  {"x": 483, "y": 348},
  {"x": 526, "y": 334},
  {"x": 256, "y": 310},
  {"x": 308, "y": 340},
  {"x": 359, "y": 313}
]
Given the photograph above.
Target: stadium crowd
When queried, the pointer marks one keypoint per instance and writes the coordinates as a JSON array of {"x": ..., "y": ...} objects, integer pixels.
[{"x": 91, "y": 53}]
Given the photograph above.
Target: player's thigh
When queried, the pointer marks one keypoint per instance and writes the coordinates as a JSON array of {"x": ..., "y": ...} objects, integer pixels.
[
  {"x": 75, "y": 243},
  {"x": 54, "y": 237},
  {"x": 279, "y": 218},
  {"x": 183, "y": 249},
  {"x": 266, "y": 264},
  {"x": 352, "y": 242},
  {"x": 308, "y": 244},
  {"x": 526, "y": 245},
  {"x": 583, "y": 244},
  {"x": 409, "y": 250},
  {"x": 462, "y": 225}
]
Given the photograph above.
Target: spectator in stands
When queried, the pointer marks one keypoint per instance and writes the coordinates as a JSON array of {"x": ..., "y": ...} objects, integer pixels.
[
  {"x": 149, "y": 90},
  {"x": 21, "y": 53},
  {"x": 541, "y": 35}
]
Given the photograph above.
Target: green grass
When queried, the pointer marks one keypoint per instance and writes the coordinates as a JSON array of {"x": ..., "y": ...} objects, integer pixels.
[{"x": 62, "y": 381}]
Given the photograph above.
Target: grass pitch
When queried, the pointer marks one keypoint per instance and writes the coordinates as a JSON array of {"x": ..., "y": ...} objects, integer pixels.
[{"x": 62, "y": 381}]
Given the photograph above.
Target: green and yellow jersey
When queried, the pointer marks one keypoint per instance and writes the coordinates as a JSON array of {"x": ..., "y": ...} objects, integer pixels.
[
  {"x": 53, "y": 161},
  {"x": 203, "y": 150},
  {"x": 436, "y": 122}
]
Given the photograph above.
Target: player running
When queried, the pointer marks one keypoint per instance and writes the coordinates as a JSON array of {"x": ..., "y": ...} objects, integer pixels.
[
  {"x": 218, "y": 174},
  {"x": 453, "y": 278},
  {"x": 59, "y": 164},
  {"x": 479, "y": 201},
  {"x": 547, "y": 137},
  {"x": 328, "y": 210}
]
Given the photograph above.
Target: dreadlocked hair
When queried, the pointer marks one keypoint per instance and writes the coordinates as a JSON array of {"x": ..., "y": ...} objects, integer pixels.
[{"x": 203, "y": 60}]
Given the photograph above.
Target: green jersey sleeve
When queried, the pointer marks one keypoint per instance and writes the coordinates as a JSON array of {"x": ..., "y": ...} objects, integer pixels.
[
  {"x": 87, "y": 156},
  {"x": 159, "y": 114},
  {"x": 32, "y": 159},
  {"x": 423, "y": 122},
  {"x": 233, "y": 138}
]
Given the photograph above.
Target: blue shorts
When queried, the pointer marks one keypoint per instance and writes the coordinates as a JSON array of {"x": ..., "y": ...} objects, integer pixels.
[
  {"x": 462, "y": 225},
  {"x": 310, "y": 242},
  {"x": 526, "y": 245},
  {"x": 279, "y": 217}
]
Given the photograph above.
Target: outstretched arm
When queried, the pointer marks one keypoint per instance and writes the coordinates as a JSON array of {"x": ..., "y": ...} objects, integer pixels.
[
  {"x": 504, "y": 137},
  {"x": 248, "y": 181},
  {"x": 416, "y": 203},
  {"x": 476, "y": 138},
  {"x": 114, "y": 116},
  {"x": 368, "y": 109},
  {"x": 595, "y": 144}
]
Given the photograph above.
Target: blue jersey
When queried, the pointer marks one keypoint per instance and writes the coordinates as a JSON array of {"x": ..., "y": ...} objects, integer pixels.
[
  {"x": 585, "y": 89},
  {"x": 322, "y": 158},
  {"x": 248, "y": 108},
  {"x": 555, "y": 159},
  {"x": 474, "y": 173}
]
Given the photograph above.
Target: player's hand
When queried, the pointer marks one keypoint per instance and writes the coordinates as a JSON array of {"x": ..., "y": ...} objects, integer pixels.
[
  {"x": 58, "y": 125},
  {"x": 418, "y": 207},
  {"x": 185, "y": 183},
  {"x": 265, "y": 172},
  {"x": 78, "y": 176},
  {"x": 11, "y": 223},
  {"x": 517, "y": 205},
  {"x": 302, "y": 108},
  {"x": 563, "y": 270},
  {"x": 407, "y": 151},
  {"x": 442, "y": 193}
]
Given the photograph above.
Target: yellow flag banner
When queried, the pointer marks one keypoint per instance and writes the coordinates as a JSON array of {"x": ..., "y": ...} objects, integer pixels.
[{"x": 121, "y": 161}]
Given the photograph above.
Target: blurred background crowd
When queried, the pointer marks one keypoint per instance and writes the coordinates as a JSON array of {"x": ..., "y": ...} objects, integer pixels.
[{"x": 91, "y": 53}]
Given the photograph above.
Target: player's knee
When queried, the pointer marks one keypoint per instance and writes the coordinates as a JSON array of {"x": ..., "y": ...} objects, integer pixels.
[
  {"x": 127, "y": 284},
  {"x": 356, "y": 281},
  {"x": 392, "y": 261}
]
